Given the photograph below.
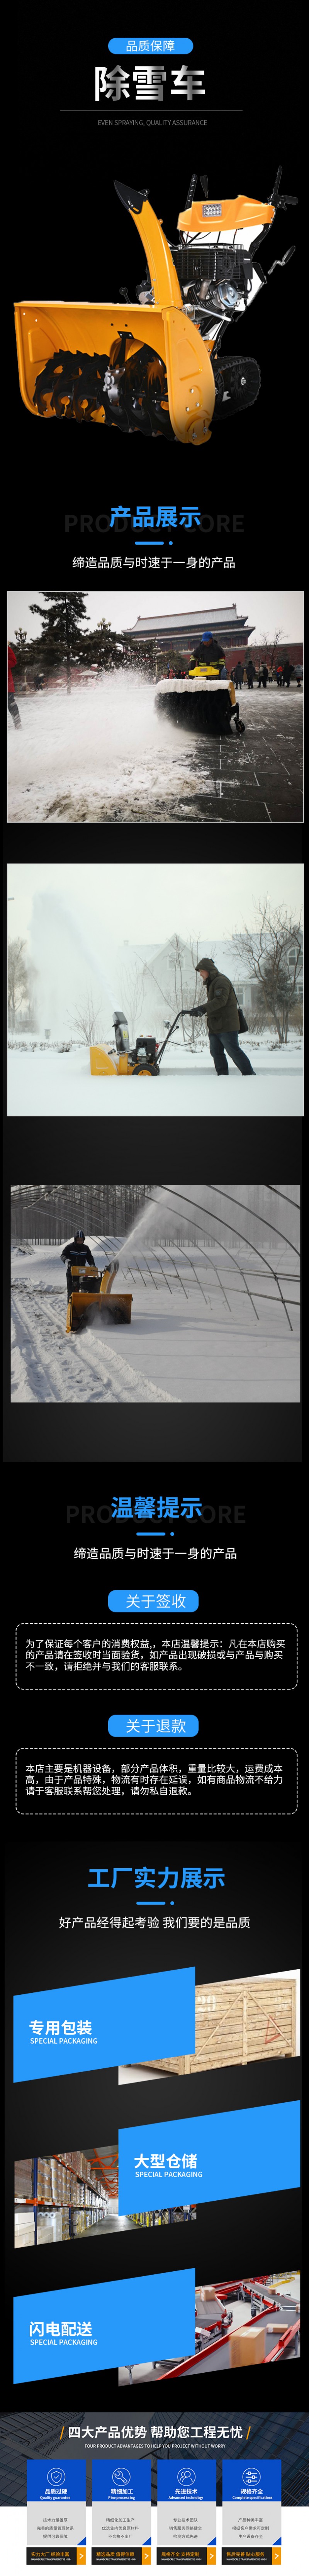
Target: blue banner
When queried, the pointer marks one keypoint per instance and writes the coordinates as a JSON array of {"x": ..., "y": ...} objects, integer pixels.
[
  {"x": 225, "y": 2156},
  {"x": 142, "y": 45},
  {"x": 154, "y": 1602},
  {"x": 71, "y": 2030},
  {"x": 60, "y": 2333},
  {"x": 154, "y": 1725}
]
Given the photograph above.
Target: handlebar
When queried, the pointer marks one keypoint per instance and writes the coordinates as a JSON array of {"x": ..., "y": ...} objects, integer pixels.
[
  {"x": 189, "y": 1013},
  {"x": 274, "y": 199}
]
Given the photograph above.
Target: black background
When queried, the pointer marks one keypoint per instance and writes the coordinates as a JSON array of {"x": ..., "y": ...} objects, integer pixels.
[
  {"x": 259, "y": 2233},
  {"x": 86, "y": 246},
  {"x": 68, "y": 236}
]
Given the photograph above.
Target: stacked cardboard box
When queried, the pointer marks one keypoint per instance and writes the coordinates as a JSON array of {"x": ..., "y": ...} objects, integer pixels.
[
  {"x": 24, "y": 2227},
  {"x": 22, "y": 2181},
  {"x": 49, "y": 2227}
]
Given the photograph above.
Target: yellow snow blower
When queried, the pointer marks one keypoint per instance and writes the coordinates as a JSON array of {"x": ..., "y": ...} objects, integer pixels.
[
  {"x": 139, "y": 1059},
  {"x": 91, "y": 1287},
  {"x": 155, "y": 366}
]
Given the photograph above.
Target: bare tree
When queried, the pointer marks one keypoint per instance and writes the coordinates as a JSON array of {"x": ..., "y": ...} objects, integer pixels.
[
  {"x": 87, "y": 1023},
  {"x": 273, "y": 952},
  {"x": 272, "y": 649}
]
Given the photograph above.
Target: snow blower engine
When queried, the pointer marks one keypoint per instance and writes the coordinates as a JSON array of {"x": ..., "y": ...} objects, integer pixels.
[
  {"x": 155, "y": 366},
  {"x": 140, "y": 1059}
]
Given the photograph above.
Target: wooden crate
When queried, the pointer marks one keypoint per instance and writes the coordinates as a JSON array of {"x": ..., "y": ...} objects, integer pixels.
[{"x": 234, "y": 2023}]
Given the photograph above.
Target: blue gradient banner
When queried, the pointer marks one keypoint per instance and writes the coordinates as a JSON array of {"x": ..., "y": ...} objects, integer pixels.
[
  {"x": 142, "y": 45},
  {"x": 153, "y": 1726},
  {"x": 60, "y": 2332},
  {"x": 71, "y": 2030},
  {"x": 226, "y": 2156}
]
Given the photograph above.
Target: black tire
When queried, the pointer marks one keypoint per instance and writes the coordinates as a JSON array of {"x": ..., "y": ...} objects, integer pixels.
[{"x": 237, "y": 382}]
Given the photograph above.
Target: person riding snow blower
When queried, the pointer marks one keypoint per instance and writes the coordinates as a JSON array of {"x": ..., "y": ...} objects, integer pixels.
[
  {"x": 205, "y": 699},
  {"x": 87, "y": 1285}
]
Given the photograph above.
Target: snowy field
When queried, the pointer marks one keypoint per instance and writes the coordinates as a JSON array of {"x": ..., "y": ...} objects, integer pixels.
[
  {"x": 103, "y": 755},
  {"x": 202, "y": 1329},
  {"x": 45, "y": 1084}
]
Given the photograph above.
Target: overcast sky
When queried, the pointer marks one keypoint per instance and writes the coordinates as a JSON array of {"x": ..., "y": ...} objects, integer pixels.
[
  {"x": 150, "y": 902},
  {"x": 267, "y": 610}
]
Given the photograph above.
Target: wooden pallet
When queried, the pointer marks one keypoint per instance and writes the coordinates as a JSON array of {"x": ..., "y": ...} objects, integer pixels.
[{"x": 235, "y": 2023}]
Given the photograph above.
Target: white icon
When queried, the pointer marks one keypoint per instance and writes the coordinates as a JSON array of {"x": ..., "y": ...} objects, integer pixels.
[
  {"x": 251, "y": 2477},
  {"x": 56, "y": 2477},
  {"x": 121, "y": 2478},
  {"x": 186, "y": 2478}
]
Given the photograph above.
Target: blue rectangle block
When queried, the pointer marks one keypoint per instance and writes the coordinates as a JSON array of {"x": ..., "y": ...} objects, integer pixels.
[
  {"x": 158, "y": 1603},
  {"x": 114, "y": 2479},
  {"x": 225, "y": 2156},
  {"x": 60, "y": 2333},
  {"x": 188, "y": 2481},
  {"x": 259, "y": 2479},
  {"x": 153, "y": 1726},
  {"x": 57, "y": 2481},
  {"x": 125, "y": 2019}
]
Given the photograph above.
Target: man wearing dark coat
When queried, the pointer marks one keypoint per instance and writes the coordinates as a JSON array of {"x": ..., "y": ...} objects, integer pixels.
[
  {"x": 221, "y": 1011},
  {"x": 79, "y": 1253}
]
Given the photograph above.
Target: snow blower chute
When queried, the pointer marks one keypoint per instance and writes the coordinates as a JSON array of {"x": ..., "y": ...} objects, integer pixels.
[
  {"x": 92, "y": 1288},
  {"x": 154, "y": 365}
]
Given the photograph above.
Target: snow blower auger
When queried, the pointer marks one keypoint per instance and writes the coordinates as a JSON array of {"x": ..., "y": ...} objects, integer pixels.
[
  {"x": 92, "y": 1288},
  {"x": 155, "y": 367}
]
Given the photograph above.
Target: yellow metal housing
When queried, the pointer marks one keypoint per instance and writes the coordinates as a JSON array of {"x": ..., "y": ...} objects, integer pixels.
[
  {"x": 100, "y": 1062},
  {"x": 230, "y": 213},
  {"x": 83, "y": 1299}
]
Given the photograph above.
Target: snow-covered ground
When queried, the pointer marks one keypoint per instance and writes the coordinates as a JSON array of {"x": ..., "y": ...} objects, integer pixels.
[
  {"x": 46, "y": 1084},
  {"x": 104, "y": 755},
  {"x": 196, "y": 1333}
]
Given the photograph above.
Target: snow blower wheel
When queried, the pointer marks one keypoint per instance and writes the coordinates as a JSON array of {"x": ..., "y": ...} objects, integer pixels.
[
  {"x": 237, "y": 384},
  {"x": 152, "y": 365}
]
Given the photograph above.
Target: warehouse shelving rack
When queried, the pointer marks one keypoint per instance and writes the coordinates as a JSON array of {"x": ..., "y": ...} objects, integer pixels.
[{"x": 44, "y": 2205}]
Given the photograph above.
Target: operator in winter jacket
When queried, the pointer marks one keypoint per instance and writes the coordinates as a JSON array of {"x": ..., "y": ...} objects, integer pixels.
[
  {"x": 12, "y": 707},
  {"x": 221, "y": 1011},
  {"x": 79, "y": 1253}
]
